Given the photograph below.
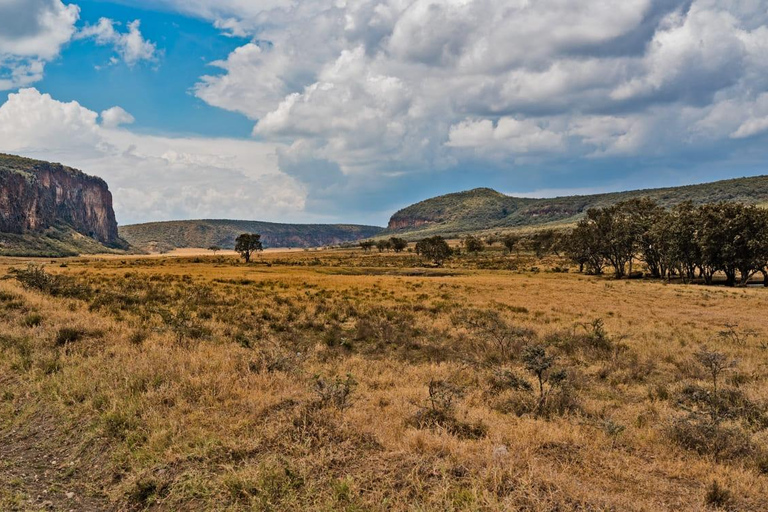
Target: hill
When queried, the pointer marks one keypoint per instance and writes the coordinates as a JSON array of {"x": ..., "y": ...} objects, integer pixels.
[
  {"x": 165, "y": 236},
  {"x": 486, "y": 209},
  {"x": 47, "y": 209}
]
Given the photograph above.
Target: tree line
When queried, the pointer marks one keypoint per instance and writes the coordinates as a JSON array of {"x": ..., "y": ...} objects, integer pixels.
[{"x": 686, "y": 241}]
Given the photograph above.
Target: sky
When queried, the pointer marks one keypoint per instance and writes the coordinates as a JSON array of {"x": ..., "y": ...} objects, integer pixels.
[{"x": 347, "y": 110}]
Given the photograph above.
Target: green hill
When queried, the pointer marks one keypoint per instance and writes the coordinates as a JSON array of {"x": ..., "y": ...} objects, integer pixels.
[
  {"x": 484, "y": 209},
  {"x": 165, "y": 236}
]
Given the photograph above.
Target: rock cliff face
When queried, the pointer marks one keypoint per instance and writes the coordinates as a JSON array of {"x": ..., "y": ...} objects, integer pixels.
[{"x": 36, "y": 195}]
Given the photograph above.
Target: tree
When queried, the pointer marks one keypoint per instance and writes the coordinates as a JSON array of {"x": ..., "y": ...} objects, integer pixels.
[
  {"x": 383, "y": 245},
  {"x": 510, "y": 242},
  {"x": 715, "y": 363},
  {"x": 642, "y": 215},
  {"x": 214, "y": 249},
  {"x": 434, "y": 248},
  {"x": 247, "y": 244},
  {"x": 398, "y": 244},
  {"x": 539, "y": 363},
  {"x": 585, "y": 248},
  {"x": 473, "y": 244},
  {"x": 367, "y": 245},
  {"x": 544, "y": 242}
]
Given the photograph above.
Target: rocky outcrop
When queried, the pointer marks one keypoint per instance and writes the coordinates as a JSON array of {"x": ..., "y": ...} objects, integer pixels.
[{"x": 36, "y": 195}]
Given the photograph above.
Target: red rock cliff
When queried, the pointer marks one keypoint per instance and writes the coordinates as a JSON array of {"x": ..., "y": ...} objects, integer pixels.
[{"x": 36, "y": 195}]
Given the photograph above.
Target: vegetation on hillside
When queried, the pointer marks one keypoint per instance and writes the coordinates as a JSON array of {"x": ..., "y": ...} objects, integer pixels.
[
  {"x": 166, "y": 236},
  {"x": 354, "y": 380},
  {"x": 487, "y": 210},
  {"x": 55, "y": 242}
]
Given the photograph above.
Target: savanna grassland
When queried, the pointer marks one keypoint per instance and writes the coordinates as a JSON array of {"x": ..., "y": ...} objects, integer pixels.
[{"x": 338, "y": 380}]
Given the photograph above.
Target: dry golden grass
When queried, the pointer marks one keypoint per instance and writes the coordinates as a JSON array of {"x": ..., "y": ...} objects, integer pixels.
[{"x": 191, "y": 384}]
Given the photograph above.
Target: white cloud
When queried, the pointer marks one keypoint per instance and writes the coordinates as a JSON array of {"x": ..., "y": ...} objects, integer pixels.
[
  {"x": 153, "y": 177},
  {"x": 390, "y": 87},
  {"x": 32, "y": 32},
  {"x": 130, "y": 46},
  {"x": 114, "y": 117},
  {"x": 508, "y": 135}
]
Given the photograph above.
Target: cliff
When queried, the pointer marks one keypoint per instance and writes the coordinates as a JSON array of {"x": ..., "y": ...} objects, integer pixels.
[{"x": 40, "y": 198}]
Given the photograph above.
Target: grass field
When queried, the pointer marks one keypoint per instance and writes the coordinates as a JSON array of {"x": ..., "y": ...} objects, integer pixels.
[{"x": 338, "y": 380}]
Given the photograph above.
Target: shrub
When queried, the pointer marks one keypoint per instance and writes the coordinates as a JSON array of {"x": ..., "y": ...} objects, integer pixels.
[
  {"x": 719, "y": 497},
  {"x": 385, "y": 326},
  {"x": 336, "y": 392},
  {"x": 438, "y": 413},
  {"x": 32, "y": 320},
  {"x": 34, "y": 277},
  {"x": 495, "y": 335},
  {"x": 706, "y": 437},
  {"x": 67, "y": 335}
]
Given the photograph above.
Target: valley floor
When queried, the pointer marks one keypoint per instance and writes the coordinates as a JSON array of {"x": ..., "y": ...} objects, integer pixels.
[{"x": 338, "y": 380}]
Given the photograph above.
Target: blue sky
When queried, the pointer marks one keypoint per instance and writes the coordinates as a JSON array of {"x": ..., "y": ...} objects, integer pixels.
[
  {"x": 313, "y": 111},
  {"x": 157, "y": 94}
]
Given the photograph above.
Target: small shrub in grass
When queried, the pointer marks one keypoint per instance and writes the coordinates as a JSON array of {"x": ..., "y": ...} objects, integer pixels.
[
  {"x": 334, "y": 392},
  {"x": 493, "y": 336},
  {"x": 138, "y": 337},
  {"x": 67, "y": 335},
  {"x": 709, "y": 438},
  {"x": 51, "y": 364},
  {"x": 7, "y": 296},
  {"x": 146, "y": 490},
  {"x": 23, "y": 349},
  {"x": 32, "y": 320},
  {"x": 438, "y": 412},
  {"x": 271, "y": 359},
  {"x": 34, "y": 277},
  {"x": 719, "y": 497}
]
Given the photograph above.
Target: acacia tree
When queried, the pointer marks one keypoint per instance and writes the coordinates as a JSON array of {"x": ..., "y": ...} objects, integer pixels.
[
  {"x": 473, "y": 244},
  {"x": 398, "y": 244},
  {"x": 434, "y": 248},
  {"x": 510, "y": 242},
  {"x": 247, "y": 244},
  {"x": 367, "y": 245}
]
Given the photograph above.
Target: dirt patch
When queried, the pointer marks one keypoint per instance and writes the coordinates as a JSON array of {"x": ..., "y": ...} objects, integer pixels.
[{"x": 43, "y": 468}]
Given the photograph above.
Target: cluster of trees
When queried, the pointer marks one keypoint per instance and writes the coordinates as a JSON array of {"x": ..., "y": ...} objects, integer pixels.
[
  {"x": 688, "y": 241},
  {"x": 393, "y": 244}
]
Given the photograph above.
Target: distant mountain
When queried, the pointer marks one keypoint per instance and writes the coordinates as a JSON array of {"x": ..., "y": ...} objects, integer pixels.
[
  {"x": 165, "y": 236},
  {"x": 486, "y": 209},
  {"x": 47, "y": 209}
]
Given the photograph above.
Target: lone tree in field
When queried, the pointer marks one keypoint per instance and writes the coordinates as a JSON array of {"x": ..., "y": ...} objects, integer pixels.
[
  {"x": 214, "y": 249},
  {"x": 247, "y": 244},
  {"x": 434, "y": 248},
  {"x": 398, "y": 244}
]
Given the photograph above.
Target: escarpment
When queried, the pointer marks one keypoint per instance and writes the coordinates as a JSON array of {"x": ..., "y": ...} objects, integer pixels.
[{"x": 37, "y": 195}]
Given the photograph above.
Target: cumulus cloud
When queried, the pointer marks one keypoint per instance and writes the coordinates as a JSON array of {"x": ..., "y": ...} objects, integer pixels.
[
  {"x": 114, "y": 117},
  {"x": 359, "y": 94},
  {"x": 508, "y": 134},
  {"x": 152, "y": 177},
  {"x": 389, "y": 88},
  {"x": 130, "y": 45},
  {"x": 32, "y": 32}
]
